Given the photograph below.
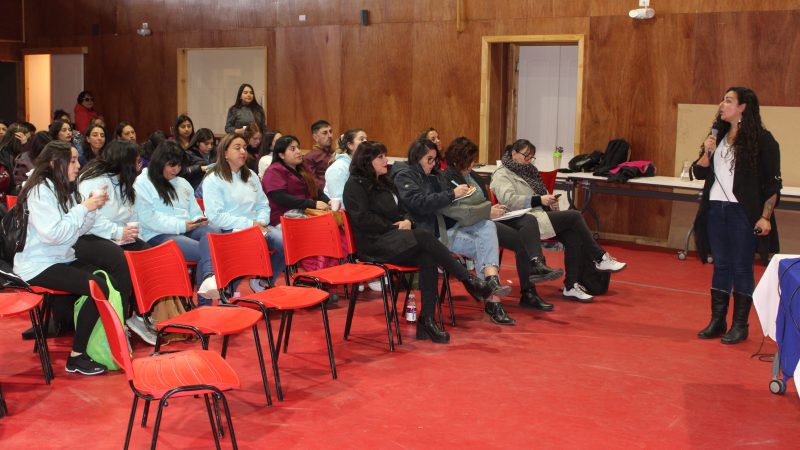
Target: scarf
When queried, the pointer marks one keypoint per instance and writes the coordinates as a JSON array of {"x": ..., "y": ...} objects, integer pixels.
[{"x": 528, "y": 172}]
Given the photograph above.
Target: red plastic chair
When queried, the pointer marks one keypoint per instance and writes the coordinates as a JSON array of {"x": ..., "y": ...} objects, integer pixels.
[
  {"x": 167, "y": 376},
  {"x": 201, "y": 203},
  {"x": 549, "y": 179},
  {"x": 18, "y": 302},
  {"x": 160, "y": 272},
  {"x": 245, "y": 254},
  {"x": 11, "y": 200},
  {"x": 319, "y": 236}
]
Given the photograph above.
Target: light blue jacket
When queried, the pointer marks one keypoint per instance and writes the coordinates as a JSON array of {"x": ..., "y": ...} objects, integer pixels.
[
  {"x": 336, "y": 176},
  {"x": 234, "y": 205},
  {"x": 51, "y": 232},
  {"x": 115, "y": 213},
  {"x": 155, "y": 216}
]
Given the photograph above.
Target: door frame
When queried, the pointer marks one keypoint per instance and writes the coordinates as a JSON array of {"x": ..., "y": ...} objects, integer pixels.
[{"x": 499, "y": 55}]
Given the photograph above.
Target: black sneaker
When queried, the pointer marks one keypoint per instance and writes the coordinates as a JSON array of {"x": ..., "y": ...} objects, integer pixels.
[{"x": 84, "y": 365}]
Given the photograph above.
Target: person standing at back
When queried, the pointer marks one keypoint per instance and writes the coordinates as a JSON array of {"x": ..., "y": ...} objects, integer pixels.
[
  {"x": 321, "y": 154},
  {"x": 244, "y": 111},
  {"x": 84, "y": 110}
]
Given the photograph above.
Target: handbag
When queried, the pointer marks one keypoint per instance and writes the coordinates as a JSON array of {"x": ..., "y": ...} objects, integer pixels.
[
  {"x": 14, "y": 230},
  {"x": 167, "y": 308},
  {"x": 98, "y": 348},
  {"x": 337, "y": 215}
]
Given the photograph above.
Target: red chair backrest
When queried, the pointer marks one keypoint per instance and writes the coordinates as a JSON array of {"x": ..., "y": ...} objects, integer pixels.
[
  {"x": 201, "y": 204},
  {"x": 310, "y": 236},
  {"x": 349, "y": 239},
  {"x": 492, "y": 197},
  {"x": 117, "y": 341},
  {"x": 239, "y": 254},
  {"x": 549, "y": 179},
  {"x": 158, "y": 272},
  {"x": 11, "y": 200}
]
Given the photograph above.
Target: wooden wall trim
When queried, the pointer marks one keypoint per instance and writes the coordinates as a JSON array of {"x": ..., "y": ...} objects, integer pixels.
[{"x": 55, "y": 51}]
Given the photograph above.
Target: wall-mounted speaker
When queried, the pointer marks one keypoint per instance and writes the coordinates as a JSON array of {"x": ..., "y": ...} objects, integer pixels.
[{"x": 364, "y": 17}]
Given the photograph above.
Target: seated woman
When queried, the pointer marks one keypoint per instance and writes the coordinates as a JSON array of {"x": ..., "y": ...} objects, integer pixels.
[
  {"x": 94, "y": 141},
  {"x": 384, "y": 233},
  {"x": 117, "y": 220},
  {"x": 337, "y": 174},
  {"x": 520, "y": 234},
  {"x": 149, "y": 146},
  {"x": 57, "y": 219},
  {"x": 473, "y": 235},
  {"x": 253, "y": 135},
  {"x": 287, "y": 183},
  {"x": 517, "y": 185},
  {"x": 235, "y": 201},
  {"x": 184, "y": 131},
  {"x": 199, "y": 157},
  {"x": 126, "y": 132},
  {"x": 60, "y": 130},
  {"x": 168, "y": 211},
  {"x": 11, "y": 146},
  {"x": 265, "y": 155}
]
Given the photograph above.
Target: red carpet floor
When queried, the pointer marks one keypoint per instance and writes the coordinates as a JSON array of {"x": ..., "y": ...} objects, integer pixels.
[{"x": 626, "y": 371}]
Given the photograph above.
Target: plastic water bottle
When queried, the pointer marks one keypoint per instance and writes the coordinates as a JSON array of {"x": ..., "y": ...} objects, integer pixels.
[{"x": 411, "y": 309}]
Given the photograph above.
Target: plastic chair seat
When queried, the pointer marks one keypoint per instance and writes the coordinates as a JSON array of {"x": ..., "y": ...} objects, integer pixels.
[
  {"x": 44, "y": 290},
  {"x": 157, "y": 375},
  {"x": 218, "y": 320},
  {"x": 398, "y": 268},
  {"x": 13, "y": 303},
  {"x": 288, "y": 297},
  {"x": 346, "y": 273}
]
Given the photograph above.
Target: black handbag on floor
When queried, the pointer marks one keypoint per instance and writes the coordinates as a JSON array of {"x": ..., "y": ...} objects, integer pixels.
[
  {"x": 14, "y": 231},
  {"x": 595, "y": 282}
]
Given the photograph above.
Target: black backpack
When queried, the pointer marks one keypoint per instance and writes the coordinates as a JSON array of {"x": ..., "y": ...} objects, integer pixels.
[
  {"x": 595, "y": 282},
  {"x": 586, "y": 162},
  {"x": 14, "y": 231},
  {"x": 617, "y": 152}
]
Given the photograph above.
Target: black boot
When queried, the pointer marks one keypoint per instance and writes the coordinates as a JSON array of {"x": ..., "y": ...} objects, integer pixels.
[
  {"x": 530, "y": 299},
  {"x": 427, "y": 329},
  {"x": 498, "y": 314},
  {"x": 719, "y": 312},
  {"x": 498, "y": 289},
  {"x": 477, "y": 288},
  {"x": 540, "y": 272},
  {"x": 741, "y": 312}
]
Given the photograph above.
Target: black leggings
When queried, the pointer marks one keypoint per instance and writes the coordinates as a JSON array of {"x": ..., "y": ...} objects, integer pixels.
[
  {"x": 108, "y": 256},
  {"x": 521, "y": 235},
  {"x": 429, "y": 254},
  {"x": 578, "y": 242},
  {"x": 74, "y": 278}
]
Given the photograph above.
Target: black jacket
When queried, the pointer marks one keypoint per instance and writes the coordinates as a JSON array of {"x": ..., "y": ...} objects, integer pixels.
[
  {"x": 191, "y": 167},
  {"x": 751, "y": 189},
  {"x": 422, "y": 196},
  {"x": 373, "y": 211}
]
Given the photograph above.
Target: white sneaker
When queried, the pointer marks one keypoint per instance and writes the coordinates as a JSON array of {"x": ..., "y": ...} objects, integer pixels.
[
  {"x": 578, "y": 292},
  {"x": 608, "y": 264},
  {"x": 137, "y": 325},
  {"x": 208, "y": 288},
  {"x": 257, "y": 285},
  {"x": 375, "y": 285},
  {"x": 361, "y": 287}
]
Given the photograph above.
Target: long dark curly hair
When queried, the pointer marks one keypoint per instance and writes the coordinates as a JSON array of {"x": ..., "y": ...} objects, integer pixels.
[{"x": 745, "y": 147}]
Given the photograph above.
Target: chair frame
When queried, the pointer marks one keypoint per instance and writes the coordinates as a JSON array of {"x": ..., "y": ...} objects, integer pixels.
[
  {"x": 257, "y": 252},
  {"x": 184, "y": 290},
  {"x": 324, "y": 222},
  {"x": 39, "y": 333},
  {"x": 204, "y": 389}
]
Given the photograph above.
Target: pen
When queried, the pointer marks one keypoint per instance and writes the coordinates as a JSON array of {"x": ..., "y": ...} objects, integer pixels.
[{"x": 454, "y": 183}]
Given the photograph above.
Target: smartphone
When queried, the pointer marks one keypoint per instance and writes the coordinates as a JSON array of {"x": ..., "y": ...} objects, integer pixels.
[
  {"x": 557, "y": 195},
  {"x": 200, "y": 219}
]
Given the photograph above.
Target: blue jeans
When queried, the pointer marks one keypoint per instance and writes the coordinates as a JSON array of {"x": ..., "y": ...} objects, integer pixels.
[
  {"x": 733, "y": 246},
  {"x": 194, "y": 246},
  {"x": 478, "y": 242}
]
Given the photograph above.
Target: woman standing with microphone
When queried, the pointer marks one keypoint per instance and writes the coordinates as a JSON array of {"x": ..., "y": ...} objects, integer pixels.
[{"x": 740, "y": 163}]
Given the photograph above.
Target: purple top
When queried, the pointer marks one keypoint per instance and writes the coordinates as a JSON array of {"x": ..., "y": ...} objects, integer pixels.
[{"x": 278, "y": 177}]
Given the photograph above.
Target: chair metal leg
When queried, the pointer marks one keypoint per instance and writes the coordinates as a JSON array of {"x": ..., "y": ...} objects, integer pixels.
[
  {"x": 3, "y": 407},
  {"x": 157, "y": 426},
  {"x": 351, "y": 307},
  {"x": 273, "y": 357},
  {"x": 446, "y": 290},
  {"x": 220, "y": 428},
  {"x": 44, "y": 317},
  {"x": 130, "y": 421},
  {"x": 386, "y": 312},
  {"x": 260, "y": 355},
  {"x": 289, "y": 316},
  {"x": 41, "y": 341},
  {"x": 144, "y": 413},
  {"x": 328, "y": 338},
  {"x": 224, "y": 352},
  {"x": 229, "y": 419},
  {"x": 211, "y": 421},
  {"x": 284, "y": 314}
]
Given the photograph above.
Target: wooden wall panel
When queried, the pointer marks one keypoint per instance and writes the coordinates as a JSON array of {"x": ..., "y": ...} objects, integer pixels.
[
  {"x": 446, "y": 83},
  {"x": 632, "y": 96},
  {"x": 308, "y": 79},
  {"x": 376, "y": 83},
  {"x": 11, "y": 26}
]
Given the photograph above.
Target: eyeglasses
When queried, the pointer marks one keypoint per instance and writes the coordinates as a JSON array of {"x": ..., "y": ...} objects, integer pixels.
[{"x": 528, "y": 156}]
